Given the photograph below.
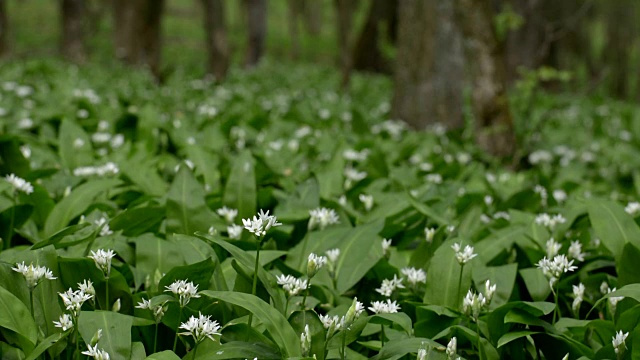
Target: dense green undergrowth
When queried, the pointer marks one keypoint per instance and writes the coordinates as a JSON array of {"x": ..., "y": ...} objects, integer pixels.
[{"x": 112, "y": 162}]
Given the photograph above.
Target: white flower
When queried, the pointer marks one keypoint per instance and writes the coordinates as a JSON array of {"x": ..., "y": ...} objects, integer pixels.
[
  {"x": 559, "y": 196},
  {"x": 291, "y": 284},
  {"x": 185, "y": 290},
  {"x": 434, "y": 178},
  {"x": 26, "y": 151},
  {"x": 353, "y": 176},
  {"x": 463, "y": 256},
  {"x": 228, "y": 214},
  {"x": 414, "y": 276},
  {"x": 200, "y": 328},
  {"x": 578, "y": 296},
  {"x": 109, "y": 168},
  {"x": 261, "y": 224},
  {"x": 314, "y": 264},
  {"x": 332, "y": 255},
  {"x": 429, "y": 233},
  {"x": 322, "y": 217},
  {"x": 549, "y": 221},
  {"x": 157, "y": 310},
  {"x": 422, "y": 354},
  {"x": 452, "y": 348},
  {"x": 65, "y": 322},
  {"x": 613, "y": 300},
  {"x": 86, "y": 286},
  {"x": 380, "y": 307},
  {"x": 489, "y": 290},
  {"x": 33, "y": 274},
  {"x": 19, "y": 184},
  {"x": 553, "y": 247},
  {"x": 352, "y": 314},
  {"x": 73, "y": 300},
  {"x": 305, "y": 340},
  {"x": 234, "y": 231},
  {"x": 473, "y": 303},
  {"x": 386, "y": 245},
  {"x": 575, "y": 251},
  {"x": 367, "y": 201},
  {"x": 103, "y": 224},
  {"x": 102, "y": 259},
  {"x": 553, "y": 269},
  {"x": 353, "y": 155},
  {"x": 632, "y": 208},
  {"x": 25, "y": 123},
  {"x": 328, "y": 321},
  {"x": 390, "y": 285},
  {"x": 95, "y": 353},
  {"x": 619, "y": 341}
]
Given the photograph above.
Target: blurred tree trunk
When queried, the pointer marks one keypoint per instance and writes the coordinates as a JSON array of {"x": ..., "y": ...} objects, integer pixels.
[
  {"x": 494, "y": 124},
  {"x": 312, "y": 10},
  {"x": 216, "y": 35},
  {"x": 257, "y": 25},
  {"x": 296, "y": 9},
  {"x": 621, "y": 33},
  {"x": 367, "y": 54},
  {"x": 4, "y": 29},
  {"x": 526, "y": 46},
  {"x": 73, "y": 16},
  {"x": 429, "y": 73},
  {"x": 344, "y": 14},
  {"x": 124, "y": 19},
  {"x": 150, "y": 32}
]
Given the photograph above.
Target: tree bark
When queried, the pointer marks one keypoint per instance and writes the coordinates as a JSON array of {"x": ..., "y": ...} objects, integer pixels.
[
  {"x": 312, "y": 10},
  {"x": 257, "y": 26},
  {"x": 296, "y": 8},
  {"x": 367, "y": 54},
  {"x": 494, "y": 124},
  {"x": 149, "y": 52},
  {"x": 526, "y": 45},
  {"x": 216, "y": 37},
  {"x": 124, "y": 39},
  {"x": 344, "y": 14},
  {"x": 4, "y": 29},
  {"x": 72, "y": 16},
  {"x": 429, "y": 74}
]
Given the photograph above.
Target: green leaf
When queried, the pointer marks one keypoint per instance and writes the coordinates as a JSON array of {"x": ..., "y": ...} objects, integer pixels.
[
  {"x": 276, "y": 324},
  {"x": 187, "y": 211},
  {"x": 45, "y": 344},
  {"x": 395, "y": 349},
  {"x": 296, "y": 206},
  {"x": 443, "y": 276},
  {"x": 509, "y": 337},
  {"x": 427, "y": 211},
  {"x": 76, "y": 203},
  {"x": 199, "y": 273},
  {"x": 137, "y": 221},
  {"x": 613, "y": 225},
  {"x": 316, "y": 242},
  {"x": 240, "y": 191},
  {"x": 504, "y": 277},
  {"x": 500, "y": 241},
  {"x": 537, "y": 284},
  {"x": 361, "y": 240},
  {"x": 163, "y": 355},
  {"x": 630, "y": 291},
  {"x": 235, "y": 350},
  {"x": 116, "y": 331},
  {"x": 627, "y": 265},
  {"x": 15, "y": 316},
  {"x": 153, "y": 253},
  {"x": 70, "y": 155},
  {"x": 401, "y": 319}
]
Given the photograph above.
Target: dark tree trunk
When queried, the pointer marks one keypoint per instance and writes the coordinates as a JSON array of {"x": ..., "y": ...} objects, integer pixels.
[
  {"x": 312, "y": 9},
  {"x": 216, "y": 35},
  {"x": 73, "y": 16},
  {"x": 150, "y": 34},
  {"x": 257, "y": 26},
  {"x": 429, "y": 75},
  {"x": 367, "y": 54},
  {"x": 296, "y": 9},
  {"x": 344, "y": 14},
  {"x": 124, "y": 39},
  {"x": 494, "y": 124},
  {"x": 4, "y": 29},
  {"x": 526, "y": 46}
]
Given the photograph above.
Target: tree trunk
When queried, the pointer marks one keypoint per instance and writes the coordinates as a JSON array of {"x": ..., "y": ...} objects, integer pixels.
[
  {"x": 124, "y": 39},
  {"x": 494, "y": 125},
  {"x": 344, "y": 14},
  {"x": 216, "y": 35},
  {"x": 295, "y": 11},
  {"x": 149, "y": 31},
  {"x": 526, "y": 46},
  {"x": 4, "y": 29},
  {"x": 429, "y": 73},
  {"x": 312, "y": 9},
  {"x": 367, "y": 54},
  {"x": 257, "y": 25},
  {"x": 72, "y": 16}
]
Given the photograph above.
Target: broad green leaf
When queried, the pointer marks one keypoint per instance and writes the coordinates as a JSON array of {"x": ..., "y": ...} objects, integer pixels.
[
  {"x": 443, "y": 276},
  {"x": 427, "y": 211},
  {"x": 296, "y": 206},
  {"x": 206, "y": 163},
  {"x": 76, "y": 203},
  {"x": 498, "y": 242},
  {"x": 504, "y": 277},
  {"x": 187, "y": 211},
  {"x": 316, "y": 242},
  {"x": 630, "y": 291},
  {"x": 163, "y": 355},
  {"x": 627, "y": 265},
  {"x": 235, "y": 350},
  {"x": 359, "y": 252},
  {"x": 15, "y": 316},
  {"x": 45, "y": 344},
  {"x": 613, "y": 225},
  {"x": 71, "y": 155},
  {"x": 509, "y": 337},
  {"x": 55, "y": 238},
  {"x": 137, "y": 221},
  {"x": 193, "y": 249},
  {"x": 401, "y": 319},
  {"x": 537, "y": 284},
  {"x": 276, "y": 324},
  {"x": 153, "y": 253},
  {"x": 395, "y": 349},
  {"x": 116, "y": 331},
  {"x": 240, "y": 191}
]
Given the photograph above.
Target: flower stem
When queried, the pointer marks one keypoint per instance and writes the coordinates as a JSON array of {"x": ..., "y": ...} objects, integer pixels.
[
  {"x": 255, "y": 278},
  {"x": 107, "y": 296},
  {"x": 31, "y": 302},
  {"x": 344, "y": 344},
  {"x": 195, "y": 348},
  {"x": 381, "y": 336},
  {"x": 175, "y": 339},
  {"x": 12, "y": 217},
  {"x": 304, "y": 302},
  {"x": 555, "y": 309},
  {"x": 460, "y": 282},
  {"x": 155, "y": 339},
  {"x": 77, "y": 353}
]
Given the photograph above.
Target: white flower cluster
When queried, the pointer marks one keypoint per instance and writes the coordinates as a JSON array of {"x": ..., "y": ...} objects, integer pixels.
[
  {"x": 228, "y": 214},
  {"x": 322, "y": 217},
  {"x": 553, "y": 269},
  {"x": 95, "y": 353},
  {"x": 332, "y": 259},
  {"x": 109, "y": 168},
  {"x": 429, "y": 233},
  {"x": 200, "y": 328},
  {"x": 549, "y": 221},
  {"x": 305, "y": 341},
  {"x": 291, "y": 284},
  {"x": 390, "y": 285},
  {"x": 553, "y": 248},
  {"x": 65, "y": 322},
  {"x": 33, "y": 274},
  {"x": 367, "y": 201},
  {"x": 353, "y": 176},
  {"x": 336, "y": 323},
  {"x": 185, "y": 291},
  {"x": 386, "y": 245},
  {"x": 414, "y": 276},
  {"x": 73, "y": 300},
  {"x": 452, "y": 348},
  {"x": 234, "y": 231},
  {"x": 381, "y": 307},
  {"x": 354, "y": 155},
  {"x": 619, "y": 342},
  {"x": 261, "y": 224},
  {"x": 632, "y": 208},
  {"x": 314, "y": 264},
  {"x": 575, "y": 251},
  {"x": 102, "y": 259},
  {"x": 19, "y": 184},
  {"x": 463, "y": 255},
  {"x": 578, "y": 297},
  {"x": 158, "y": 310},
  {"x": 473, "y": 303}
]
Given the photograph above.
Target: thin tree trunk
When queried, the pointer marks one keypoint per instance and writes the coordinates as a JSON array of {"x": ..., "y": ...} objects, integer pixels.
[
  {"x": 367, "y": 54},
  {"x": 429, "y": 73},
  {"x": 494, "y": 124},
  {"x": 295, "y": 11},
  {"x": 72, "y": 16},
  {"x": 344, "y": 13},
  {"x": 4, "y": 29},
  {"x": 312, "y": 9},
  {"x": 149, "y": 52},
  {"x": 257, "y": 25},
  {"x": 124, "y": 39},
  {"x": 525, "y": 45},
  {"x": 216, "y": 35}
]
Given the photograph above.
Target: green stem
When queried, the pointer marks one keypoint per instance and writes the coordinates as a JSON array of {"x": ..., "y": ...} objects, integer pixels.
[
  {"x": 344, "y": 344},
  {"x": 31, "y": 302},
  {"x": 195, "y": 348},
  {"x": 255, "y": 277},
  {"x": 286, "y": 307},
  {"x": 77, "y": 353},
  {"x": 108, "y": 308},
  {"x": 175, "y": 339},
  {"x": 555, "y": 309},
  {"x": 11, "y": 221},
  {"x": 304, "y": 303},
  {"x": 381, "y": 336},
  {"x": 460, "y": 282},
  {"x": 155, "y": 339}
]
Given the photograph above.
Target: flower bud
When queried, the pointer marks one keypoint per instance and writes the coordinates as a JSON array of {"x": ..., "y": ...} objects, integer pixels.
[{"x": 96, "y": 337}]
